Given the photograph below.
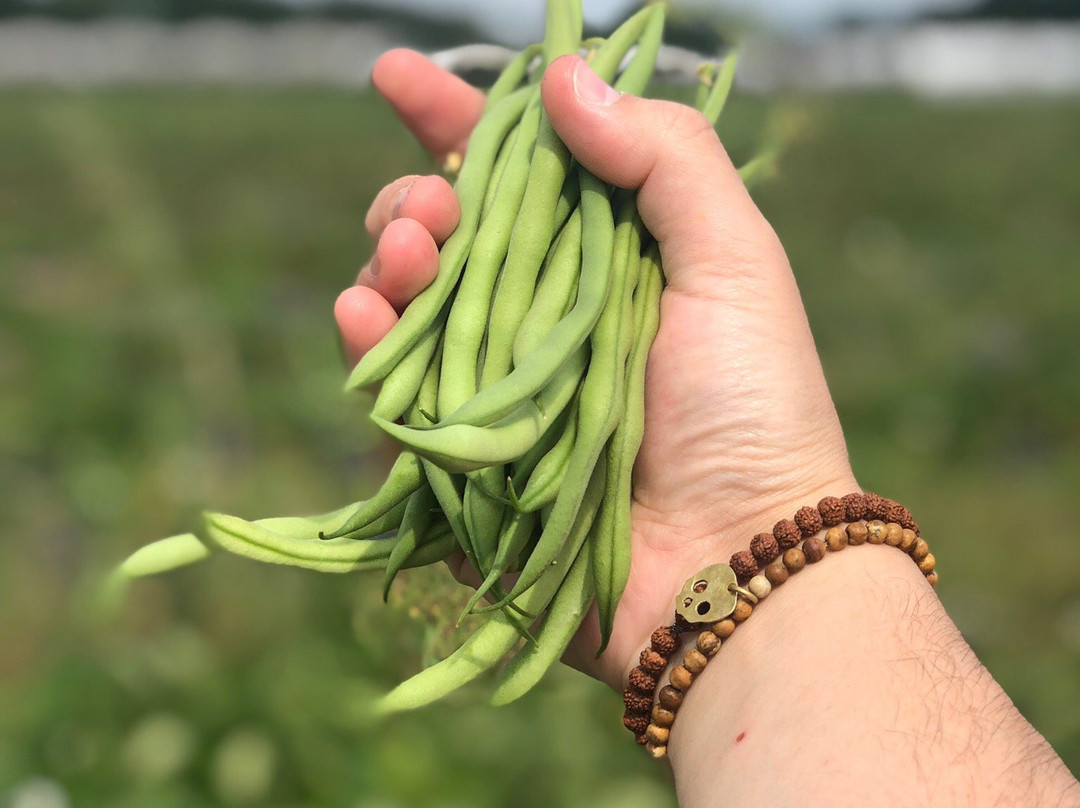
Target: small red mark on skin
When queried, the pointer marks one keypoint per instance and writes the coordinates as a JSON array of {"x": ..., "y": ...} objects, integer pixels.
[{"x": 739, "y": 737}]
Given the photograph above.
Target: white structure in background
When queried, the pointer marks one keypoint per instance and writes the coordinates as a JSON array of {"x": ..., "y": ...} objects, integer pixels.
[
  {"x": 202, "y": 52},
  {"x": 938, "y": 59}
]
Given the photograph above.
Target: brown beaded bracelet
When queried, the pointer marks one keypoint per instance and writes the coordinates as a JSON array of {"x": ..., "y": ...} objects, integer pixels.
[{"x": 716, "y": 600}]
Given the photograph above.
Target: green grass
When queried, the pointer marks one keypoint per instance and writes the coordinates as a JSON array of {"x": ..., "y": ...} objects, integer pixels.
[{"x": 168, "y": 264}]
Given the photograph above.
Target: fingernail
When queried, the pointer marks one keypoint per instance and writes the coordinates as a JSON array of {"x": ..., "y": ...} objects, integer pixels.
[
  {"x": 373, "y": 266},
  {"x": 399, "y": 200},
  {"x": 592, "y": 89}
]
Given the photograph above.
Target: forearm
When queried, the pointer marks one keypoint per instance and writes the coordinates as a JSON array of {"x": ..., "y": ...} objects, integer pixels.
[{"x": 853, "y": 686}]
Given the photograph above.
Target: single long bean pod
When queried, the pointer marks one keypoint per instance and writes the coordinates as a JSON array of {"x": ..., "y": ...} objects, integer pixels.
[
  {"x": 595, "y": 410},
  {"x": 471, "y": 186},
  {"x": 609, "y": 56},
  {"x": 637, "y": 75},
  {"x": 483, "y": 515},
  {"x": 563, "y": 22},
  {"x": 462, "y": 447},
  {"x": 401, "y": 384},
  {"x": 386, "y": 523},
  {"x": 554, "y": 292},
  {"x": 406, "y": 475},
  {"x": 414, "y": 525},
  {"x": 435, "y": 546},
  {"x": 287, "y": 540},
  {"x": 542, "y": 485},
  {"x": 719, "y": 92},
  {"x": 512, "y": 75},
  {"x": 706, "y": 77},
  {"x": 569, "y": 334},
  {"x": 610, "y": 542},
  {"x": 524, "y": 468},
  {"x": 163, "y": 555},
  {"x": 497, "y": 636},
  {"x": 499, "y": 170},
  {"x": 562, "y": 621},
  {"x": 513, "y": 536}
]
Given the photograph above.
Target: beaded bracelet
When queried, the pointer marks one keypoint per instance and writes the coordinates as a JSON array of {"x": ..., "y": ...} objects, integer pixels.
[{"x": 721, "y": 597}]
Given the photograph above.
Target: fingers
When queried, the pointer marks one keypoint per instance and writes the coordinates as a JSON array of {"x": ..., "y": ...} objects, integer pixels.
[
  {"x": 436, "y": 106},
  {"x": 428, "y": 200},
  {"x": 364, "y": 317},
  {"x": 406, "y": 260},
  {"x": 411, "y": 218},
  {"x": 690, "y": 195}
]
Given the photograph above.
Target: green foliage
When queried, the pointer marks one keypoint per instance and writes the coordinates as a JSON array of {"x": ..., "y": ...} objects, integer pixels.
[{"x": 168, "y": 265}]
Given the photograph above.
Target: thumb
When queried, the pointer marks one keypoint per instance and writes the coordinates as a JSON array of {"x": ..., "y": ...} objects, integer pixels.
[{"x": 689, "y": 194}]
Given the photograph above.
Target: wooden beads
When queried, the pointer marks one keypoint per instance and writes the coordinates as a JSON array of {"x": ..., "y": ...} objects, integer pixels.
[
  {"x": 759, "y": 586},
  {"x": 794, "y": 559},
  {"x": 772, "y": 558},
  {"x": 856, "y": 533},
  {"x": 835, "y": 539},
  {"x": 708, "y": 644},
  {"x": 776, "y": 572},
  {"x": 814, "y": 550},
  {"x": 875, "y": 532},
  {"x": 695, "y": 661}
]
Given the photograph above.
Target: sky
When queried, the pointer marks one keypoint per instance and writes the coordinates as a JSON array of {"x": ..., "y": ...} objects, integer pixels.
[{"x": 517, "y": 21}]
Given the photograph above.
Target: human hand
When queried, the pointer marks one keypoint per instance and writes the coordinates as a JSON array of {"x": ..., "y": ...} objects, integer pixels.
[{"x": 740, "y": 429}]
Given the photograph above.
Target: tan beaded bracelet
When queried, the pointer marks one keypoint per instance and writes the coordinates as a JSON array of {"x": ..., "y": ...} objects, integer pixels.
[{"x": 721, "y": 597}]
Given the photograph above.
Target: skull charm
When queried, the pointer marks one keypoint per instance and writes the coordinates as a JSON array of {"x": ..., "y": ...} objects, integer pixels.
[{"x": 707, "y": 597}]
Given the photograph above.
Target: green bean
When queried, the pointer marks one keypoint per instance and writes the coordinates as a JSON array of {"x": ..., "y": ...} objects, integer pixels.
[
  {"x": 554, "y": 292},
  {"x": 483, "y": 515},
  {"x": 436, "y": 545},
  {"x": 524, "y": 468},
  {"x": 470, "y": 188},
  {"x": 496, "y": 637},
  {"x": 414, "y": 523},
  {"x": 385, "y": 523},
  {"x": 537, "y": 368},
  {"x": 542, "y": 485},
  {"x": 562, "y": 29},
  {"x": 611, "y": 533},
  {"x": 164, "y": 555},
  {"x": 401, "y": 384},
  {"x": 511, "y": 77},
  {"x": 405, "y": 476},
  {"x": 758, "y": 168},
  {"x": 499, "y": 171},
  {"x": 562, "y": 621},
  {"x": 287, "y": 540},
  {"x": 535, "y": 225},
  {"x": 463, "y": 447},
  {"x": 533, "y": 231},
  {"x": 720, "y": 90},
  {"x": 635, "y": 78},
  {"x": 513, "y": 535},
  {"x": 468, "y": 317},
  {"x": 706, "y": 79},
  {"x": 607, "y": 59},
  {"x": 596, "y": 414}
]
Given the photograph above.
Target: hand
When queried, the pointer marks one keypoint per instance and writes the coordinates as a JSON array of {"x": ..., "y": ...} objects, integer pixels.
[{"x": 740, "y": 429}]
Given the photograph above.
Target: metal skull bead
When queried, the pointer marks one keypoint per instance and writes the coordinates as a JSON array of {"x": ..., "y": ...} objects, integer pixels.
[{"x": 707, "y": 597}]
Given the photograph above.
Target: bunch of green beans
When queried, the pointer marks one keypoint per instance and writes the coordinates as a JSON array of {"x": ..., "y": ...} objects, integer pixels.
[{"x": 515, "y": 382}]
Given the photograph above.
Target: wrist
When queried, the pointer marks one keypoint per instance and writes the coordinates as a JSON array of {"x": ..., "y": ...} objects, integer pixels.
[{"x": 687, "y": 548}]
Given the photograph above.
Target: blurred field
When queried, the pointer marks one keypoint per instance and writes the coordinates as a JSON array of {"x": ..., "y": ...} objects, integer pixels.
[{"x": 168, "y": 263}]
